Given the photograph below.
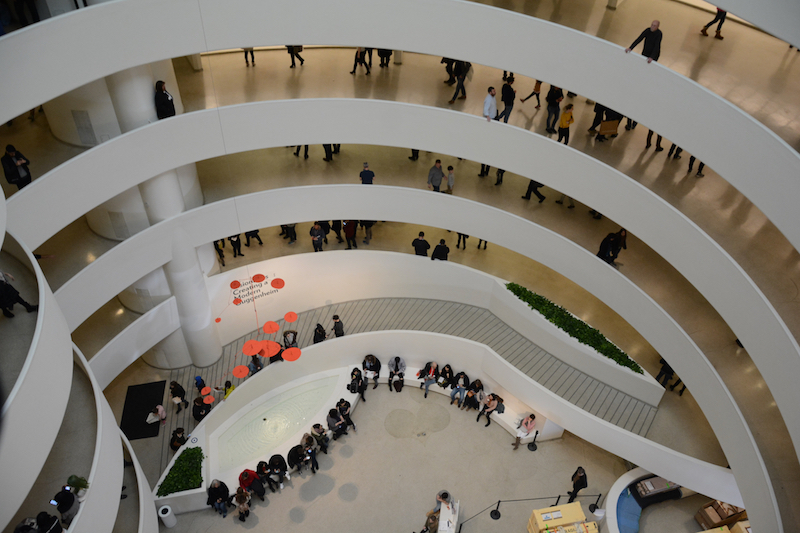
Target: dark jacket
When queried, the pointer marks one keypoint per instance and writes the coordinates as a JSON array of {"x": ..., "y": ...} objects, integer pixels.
[
  {"x": 218, "y": 493},
  {"x": 457, "y": 377},
  {"x": 11, "y": 169},
  {"x": 554, "y": 96},
  {"x": 652, "y": 43},
  {"x": 277, "y": 464},
  {"x": 440, "y": 252},
  {"x": 507, "y": 95},
  {"x": 421, "y": 246},
  {"x": 423, "y": 374},
  {"x": 199, "y": 412},
  {"x": 295, "y": 456},
  {"x": 165, "y": 105},
  {"x": 375, "y": 368}
]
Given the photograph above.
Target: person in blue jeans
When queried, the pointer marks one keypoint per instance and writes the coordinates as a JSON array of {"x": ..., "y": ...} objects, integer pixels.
[
  {"x": 429, "y": 374},
  {"x": 553, "y": 98},
  {"x": 460, "y": 72},
  {"x": 507, "y": 95},
  {"x": 460, "y": 384}
]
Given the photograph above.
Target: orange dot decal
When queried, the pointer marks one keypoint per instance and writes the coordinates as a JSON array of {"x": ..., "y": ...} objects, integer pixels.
[
  {"x": 241, "y": 371},
  {"x": 291, "y": 354},
  {"x": 206, "y": 391},
  {"x": 208, "y": 400},
  {"x": 271, "y": 327},
  {"x": 271, "y": 348},
  {"x": 235, "y": 284},
  {"x": 237, "y": 301},
  {"x": 277, "y": 283},
  {"x": 291, "y": 316},
  {"x": 258, "y": 278},
  {"x": 251, "y": 347},
  {"x": 217, "y": 320}
]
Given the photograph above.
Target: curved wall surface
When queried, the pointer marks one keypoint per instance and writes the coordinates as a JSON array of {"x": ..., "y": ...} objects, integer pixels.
[
  {"x": 252, "y": 126},
  {"x": 128, "y": 262},
  {"x": 733, "y": 143},
  {"x": 25, "y": 446}
]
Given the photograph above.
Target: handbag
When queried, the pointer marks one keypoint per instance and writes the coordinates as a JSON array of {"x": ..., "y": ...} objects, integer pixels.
[
  {"x": 176, "y": 400},
  {"x": 152, "y": 418}
]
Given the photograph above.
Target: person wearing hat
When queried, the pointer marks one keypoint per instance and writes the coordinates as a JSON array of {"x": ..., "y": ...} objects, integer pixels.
[
  {"x": 15, "y": 167},
  {"x": 367, "y": 175}
]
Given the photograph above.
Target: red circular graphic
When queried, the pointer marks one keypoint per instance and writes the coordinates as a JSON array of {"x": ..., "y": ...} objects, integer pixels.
[
  {"x": 291, "y": 316},
  {"x": 277, "y": 283},
  {"x": 241, "y": 371},
  {"x": 235, "y": 284},
  {"x": 258, "y": 278},
  {"x": 271, "y": 327},
  {"x": 291, "y": 354},
  {"x": 208, "y": 400},
  {"x": 237, "y": 301},
  {"x": 217, "y": 320},
  {"x": 251, "y": 347},
  {"x": 271, "y": 348},
  {"x": 206, "y": 391}
]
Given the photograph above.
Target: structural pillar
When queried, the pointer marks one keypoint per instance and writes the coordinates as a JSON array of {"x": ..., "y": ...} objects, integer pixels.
[{"x": 194, "y": 305}]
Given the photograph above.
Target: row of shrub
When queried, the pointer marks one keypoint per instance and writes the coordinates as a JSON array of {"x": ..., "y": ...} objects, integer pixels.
[
  {"x": 574, "y": 327},
  {"x": 185, "y": 474}
]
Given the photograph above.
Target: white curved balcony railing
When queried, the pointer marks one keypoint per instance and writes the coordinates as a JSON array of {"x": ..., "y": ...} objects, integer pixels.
[
  {"x": 251, "y": 126},
  {"x": 98, "y": 511},
  {"x": 778, "y": 17},
  {"x": 148, "y": 519},
  {"x": 142, "y": 253},
  {"x": 730, "y": 141},
  {"x": 41, "y": 392}
]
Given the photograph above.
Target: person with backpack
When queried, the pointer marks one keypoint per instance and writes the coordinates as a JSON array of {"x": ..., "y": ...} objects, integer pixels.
[
  {"x": 357, "y": 385},
  {"x": 319, "y": 334},
  {"x": 250, "y": 482}
]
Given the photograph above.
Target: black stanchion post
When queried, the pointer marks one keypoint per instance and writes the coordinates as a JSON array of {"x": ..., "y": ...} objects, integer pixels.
[
  {"x": 532, "y": 445},
  {"x": 495, "y": 513},
  {"x": 557, "y": 500},
  {"x": 593, "y": 506}
]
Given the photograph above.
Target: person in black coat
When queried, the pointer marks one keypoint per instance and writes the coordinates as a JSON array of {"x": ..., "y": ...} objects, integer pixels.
[
  {"x": 263, "y": 472},
  {"x": 200, "y": 409},
  {"x": 15, "y": 167},
  {"x": 578, "y": 482},
  {"x": 297, "y": 457},
  {"x": 357, "y": 380},
  {"x": 429, "y": 374},
  {"x": 278, "y": 468},
  {"x": 441, "y": 251},
  {"x": 652, "y": 42},
  {"x": 319, "y": 334},
  {"x": 165, "y": 104},
  {"x": 48, "y": 523},
  {"x": 67, "y": 505},
  {"x": 218, "y": 496},
  {"x": 10, "y": 296},
  {"x": 176, "y": 391},
  {"x": 236, "y": 243}
]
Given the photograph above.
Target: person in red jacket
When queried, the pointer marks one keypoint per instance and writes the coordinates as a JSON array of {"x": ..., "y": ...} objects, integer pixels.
[
  {"x": 250, "y": 482},
  {"x": 350, "y": 227}
]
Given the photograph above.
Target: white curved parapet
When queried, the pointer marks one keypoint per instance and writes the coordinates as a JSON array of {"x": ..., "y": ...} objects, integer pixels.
[
  {"x": 252, "y": 126},
  {"x": 614, "y": 492},
  {"x": 41, "y": 393},
  {"x": 148, "y": 519},
  {"x": 552, "y": 250},
  {"x": 737, "y": 146},
  {"x": 98, "y": 510}
]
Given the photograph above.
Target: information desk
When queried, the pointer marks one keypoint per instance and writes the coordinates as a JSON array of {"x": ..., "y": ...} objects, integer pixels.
[
  {"x": 448, "y": 518},
  {"x": 565, "y": 515}
]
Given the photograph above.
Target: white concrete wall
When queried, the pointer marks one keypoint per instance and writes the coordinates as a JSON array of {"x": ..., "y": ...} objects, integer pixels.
[
  {"x": 98, "y": 511},
  {"x": 34, "y": 408},
  {"x": 593, "y": 68},
  {"x": 132, "y": 342},
  {"x": 148, "y": 519}
]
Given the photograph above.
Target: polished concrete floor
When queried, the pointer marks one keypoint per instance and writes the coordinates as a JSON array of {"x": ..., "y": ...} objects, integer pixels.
[{"x": 751, "y": 69}]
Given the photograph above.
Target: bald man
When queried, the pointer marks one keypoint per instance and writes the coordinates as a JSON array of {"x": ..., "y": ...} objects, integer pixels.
[{"x": 652, "y": 42}]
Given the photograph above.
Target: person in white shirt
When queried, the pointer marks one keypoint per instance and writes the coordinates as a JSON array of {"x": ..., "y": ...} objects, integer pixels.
[{"x": 490, "y": 105}]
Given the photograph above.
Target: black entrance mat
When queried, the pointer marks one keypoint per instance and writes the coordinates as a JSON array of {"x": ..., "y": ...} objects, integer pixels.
[{"x": 139, "y": 401}]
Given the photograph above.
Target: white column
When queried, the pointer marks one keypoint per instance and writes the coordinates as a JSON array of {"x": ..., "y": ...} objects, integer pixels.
[
  {"x": 194, "y": 306},
  {"x": 196, "y": 61},
  {"x": 162, "y": 197},
  {"x": 147, "y": 292},
  {"x": 133, "y": 92},
  {"x": 171, "y": 352}
]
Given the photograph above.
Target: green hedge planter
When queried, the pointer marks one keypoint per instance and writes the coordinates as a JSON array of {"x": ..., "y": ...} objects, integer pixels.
[
  {"x": 574, "y": 327},
  {"x": 185, "y": 474}
]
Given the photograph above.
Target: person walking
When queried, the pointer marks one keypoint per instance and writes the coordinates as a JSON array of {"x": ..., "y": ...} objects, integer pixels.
[
  {"x": 368, "y": 230},
  {"x": 554, "y": 97},
  {"x": 350, "y": 227},
  {"x": 507, "y": 96},
  {"x": 533, "y": 188},
  {"x": 252, "y": 57},
  {"x": 460, "y": 70},
  {"x": 451, "y": 180},
  {"x": 236, "y": 244},
  {"x": 563, "y": 124},
  {"x": 435, "y": 176},
  {"x": 721, "y": 15},
  {"x": 537, "y": 89},
  {"x": 10, "y": 296},
  {"x": 165, "y": 103},
  {"x": 652, "y": 42},
  {"x": 305, "y": 153},
  {"x": 294, "y": 53},
  {"x": 579, "y": 482},
  {"x": 490, "y": 105},
  {"x": 360, "y": 60},
  {"x": 178, "y": 393},
  {"x": 252, "y": 235},
  {"x": 420, "y": 245},
  {"x": 462, "y": 237}
]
